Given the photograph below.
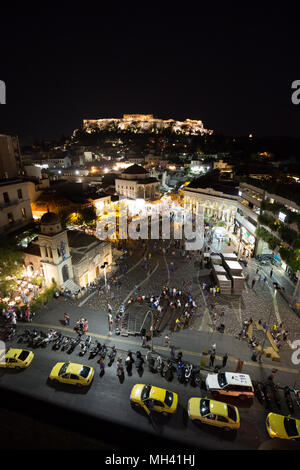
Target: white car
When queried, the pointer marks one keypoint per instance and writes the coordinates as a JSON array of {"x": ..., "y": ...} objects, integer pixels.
[{"x": 230, "y": 383}]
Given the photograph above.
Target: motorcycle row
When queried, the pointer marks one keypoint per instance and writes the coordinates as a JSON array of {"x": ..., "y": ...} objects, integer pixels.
[
  {"x": 36, "y": 339},
  {"x": 269, "y": 392}
]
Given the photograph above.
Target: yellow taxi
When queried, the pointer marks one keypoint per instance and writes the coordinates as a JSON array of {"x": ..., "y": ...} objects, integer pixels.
[
  {"x": 283, "y": 427},
  {"x": 72, "y": 373},
  {"x": 15, "y": 358},
  {"x": 215, "y": 413},
  {"x": 153, "y": 398}
]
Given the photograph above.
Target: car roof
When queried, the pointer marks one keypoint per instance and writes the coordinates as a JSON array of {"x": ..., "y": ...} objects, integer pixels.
[
  {"x": 13, "y": 352},
  {"x": 157, "y": 393},
  {"x": 74, "y": 368},
  {"x": 234, "y": 378},
  {"x": 218, "y": 408}
]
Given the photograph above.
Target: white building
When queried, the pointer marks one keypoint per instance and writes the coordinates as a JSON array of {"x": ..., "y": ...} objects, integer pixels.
[
  {"x": 135, "y": 183},
  {"x": 15, "y": 209},
  {"x": 70, "y": 257}
]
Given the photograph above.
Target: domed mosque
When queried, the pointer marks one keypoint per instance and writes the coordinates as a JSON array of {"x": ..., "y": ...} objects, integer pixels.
[{"x": 70, "y": 257}]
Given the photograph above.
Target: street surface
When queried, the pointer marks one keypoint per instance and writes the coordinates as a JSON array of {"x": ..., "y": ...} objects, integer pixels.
[{"x": 107, "y": 399}]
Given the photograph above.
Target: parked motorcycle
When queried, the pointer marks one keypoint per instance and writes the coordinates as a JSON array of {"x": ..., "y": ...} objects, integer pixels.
[
  {"x": 24, "y": 337},
  {"x": 51, "y": 336},
  {"x": 268, "y": 396},
  {"x": 288, "y": 398},
  {"x": 259, "y": 392},
  {"x": 65, "y": 343},
  {"x": 73, "y": 343},
  {"x": 120, "y": 370},
  {"x": 112, "y": 355},
  {"x": 95, "y": 350},
  {"x": 37, "y": 339},
  {"x": 58, "y": 342},
  {"x": 151, "y": 361},
  {"x": 187, "y": 372},
  {"x": 276, "y": 394},
  {"x": 85, "y": 346},
  {"x": 159, "y": 365},
  {"x": 103, "y": 351}
]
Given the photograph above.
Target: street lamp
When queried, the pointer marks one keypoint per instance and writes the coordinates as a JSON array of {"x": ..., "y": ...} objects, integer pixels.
[{"x": 104, "y": 267}]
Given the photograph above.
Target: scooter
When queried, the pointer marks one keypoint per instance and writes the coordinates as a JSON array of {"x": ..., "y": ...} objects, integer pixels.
[
  {"x": 37, "y": 339},
  {"x": 24, "y": 337},
  {"x": 95, "y": 350},
  {"x": 112, "y": 356},
  {"x": 85, "y": 346},
  {"x": 159, "y": 365}
]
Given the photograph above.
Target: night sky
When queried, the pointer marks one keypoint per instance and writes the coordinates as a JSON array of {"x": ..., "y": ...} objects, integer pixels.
[{"x": 231, "y": 68}]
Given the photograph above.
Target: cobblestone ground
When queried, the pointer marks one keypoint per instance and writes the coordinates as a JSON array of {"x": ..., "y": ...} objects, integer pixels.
[{"x": 182, "y": 272}]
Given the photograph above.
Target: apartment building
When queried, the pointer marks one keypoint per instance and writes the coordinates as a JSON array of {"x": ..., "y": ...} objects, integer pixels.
[{"x": 15, "y": 208}]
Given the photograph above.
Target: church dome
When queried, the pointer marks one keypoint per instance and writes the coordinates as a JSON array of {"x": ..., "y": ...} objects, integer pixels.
[{"x": 50, "y": 218}]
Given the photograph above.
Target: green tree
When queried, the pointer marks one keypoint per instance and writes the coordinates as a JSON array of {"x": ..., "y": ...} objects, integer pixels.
[{"x": 11, "y": 265}]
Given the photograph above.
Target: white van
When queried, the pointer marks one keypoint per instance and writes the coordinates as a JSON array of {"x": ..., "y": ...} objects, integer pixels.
[{"x": 230, "y": 383}]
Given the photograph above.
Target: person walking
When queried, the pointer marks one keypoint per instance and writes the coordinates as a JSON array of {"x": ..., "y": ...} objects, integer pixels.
[
  {"x": 271, "y": 273},
  {"x": 253, "y": 283},
  {"x": 173, "y": 353},
  {"x": 224, "y": 360},
  {"x": 167, "y": 340},
  {"x": 212, "y": 359},
  {"x": 102, "y": 366},
  {"x": 67, "y": 319},
  {"x": 110, "y": 323},
  {"x": 144, "y": 342}
]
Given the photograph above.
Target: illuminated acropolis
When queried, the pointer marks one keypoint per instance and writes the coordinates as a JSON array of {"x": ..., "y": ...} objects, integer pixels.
[{"x": 140, "y": 123}]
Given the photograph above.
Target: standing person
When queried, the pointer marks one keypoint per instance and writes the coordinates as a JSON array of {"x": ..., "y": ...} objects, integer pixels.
[
  {"x": 253, "y": 283},
  {"x": 212, "y": 359},
  {"x": 144, "y": 342},
  {"x": 213, "y": 347},
  {"x": 173, "y": 353},
  {"x": 271, "y": 273},
  {"x": 167, "y": 340},
  {"x": 102, "y": 366},
  {"x": 67, "y": 318},
  {"x": 110, "y": 323},
  {"x": 224, "y": 361},
  {"x": 109, "y": 308},
  {"x": 265, "y": 279}
]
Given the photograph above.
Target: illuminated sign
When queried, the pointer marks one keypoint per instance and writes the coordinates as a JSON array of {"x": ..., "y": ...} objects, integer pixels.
[{"x": 281, "y": 216}]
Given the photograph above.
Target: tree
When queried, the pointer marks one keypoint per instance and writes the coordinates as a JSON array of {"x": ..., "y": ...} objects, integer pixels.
[{"x": 11, "y": 265}]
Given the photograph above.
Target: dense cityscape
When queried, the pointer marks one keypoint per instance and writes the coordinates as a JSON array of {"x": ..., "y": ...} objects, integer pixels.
[{"x": 149, "y": 287}]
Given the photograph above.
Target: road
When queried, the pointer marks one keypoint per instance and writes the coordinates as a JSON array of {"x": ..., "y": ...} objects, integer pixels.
[{"x": 108, "y": 400}]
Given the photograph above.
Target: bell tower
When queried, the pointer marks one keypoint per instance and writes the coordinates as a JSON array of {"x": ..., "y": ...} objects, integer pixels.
[{"x": 55, "y": 252}]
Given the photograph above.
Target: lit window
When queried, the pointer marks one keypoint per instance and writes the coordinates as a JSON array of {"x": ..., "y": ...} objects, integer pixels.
[{"x": 23, "y": 212}]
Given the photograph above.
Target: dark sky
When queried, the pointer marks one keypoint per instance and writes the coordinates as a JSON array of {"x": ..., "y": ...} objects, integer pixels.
[{"x": 231, "y": 68}]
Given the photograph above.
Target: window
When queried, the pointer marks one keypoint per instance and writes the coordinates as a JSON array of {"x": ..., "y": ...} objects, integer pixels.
[
  {"x": 6, "y": 197},
  {"x": 20, "y": 195},
  {"x": 23, "y": 212},
  {"x": 10, "y": 218},
  {"x": 222, "y": 419}
]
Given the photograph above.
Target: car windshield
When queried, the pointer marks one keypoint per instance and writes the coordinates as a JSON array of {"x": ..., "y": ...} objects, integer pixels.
[
  {"x": 232, "y": 413},
  {"x": 290, "y": 427},
  {"x": 23, "y": 355},
  {"x": 222, "y": 379},
  {"x": 85, "y": 371},
  {"x": 145, "y": 392},
  {"x": 204, "y": 407},
  {"x": 63, "y": 368},
  {"x": 169, "y": 398}
]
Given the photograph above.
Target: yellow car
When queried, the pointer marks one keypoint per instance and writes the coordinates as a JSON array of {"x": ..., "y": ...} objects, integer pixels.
[
  {"x": 283, "y": 427},
  {"x": 16, "y": 358},
  {"x": 72, "y": 373},
  {"x": 153, "y": 398},
  {"x": 215, "y": 413}
]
